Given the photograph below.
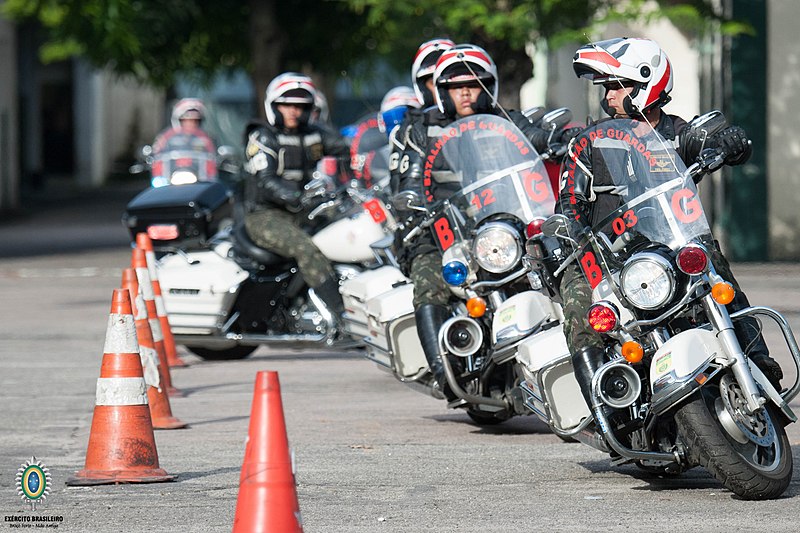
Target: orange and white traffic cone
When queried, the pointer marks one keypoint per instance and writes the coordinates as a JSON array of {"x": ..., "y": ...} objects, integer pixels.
[
  {"x": 160, "y": 408},
  {"x": 143, "y": 242},
  {"x": 122, "y": 448},
  {"x": 139, "y": 264},
  {"x": 267, "y": 495}
]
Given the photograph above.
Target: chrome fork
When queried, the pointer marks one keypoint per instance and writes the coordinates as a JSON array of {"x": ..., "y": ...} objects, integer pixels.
[{"x": 721, "y": 322}]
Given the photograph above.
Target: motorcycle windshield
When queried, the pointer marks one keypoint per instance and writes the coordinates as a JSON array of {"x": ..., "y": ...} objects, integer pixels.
[
  {"x": 498, "y": 170},
  {"x": 185, "y": 152},
  {"x": 658, "y": 200}
]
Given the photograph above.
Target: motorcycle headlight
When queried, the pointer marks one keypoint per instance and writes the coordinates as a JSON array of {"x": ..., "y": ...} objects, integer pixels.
[
  {"x": 497, "y": 247},
  {"x": 648, "y": 281},
  {"x": 182, "y": 177}
]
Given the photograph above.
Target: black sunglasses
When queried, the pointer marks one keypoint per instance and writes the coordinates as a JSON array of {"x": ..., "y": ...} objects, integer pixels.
[{"x": 618, "y": 84}]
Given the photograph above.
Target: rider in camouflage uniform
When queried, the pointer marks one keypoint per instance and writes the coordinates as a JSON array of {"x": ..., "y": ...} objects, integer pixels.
[
  {"x": 281, "y": 157},
  {"x": 465, "y": 83},
  {"x": 637, "y": 76}
]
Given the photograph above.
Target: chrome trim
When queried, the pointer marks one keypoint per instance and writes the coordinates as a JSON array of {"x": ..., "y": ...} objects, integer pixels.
[
  {"x": 688, "y": 386},
  {"x": 671, "y": 311},
  {"x": 546, "y": 416},
  {"x": 789, "y": 394},
  {"x": 461, "y": 393},
  {"x": 611, "y": 439},
  {"x": 722, "y": 324},
  {"x": 511, "y": 277},
  {"x": 505, "y": 349}
]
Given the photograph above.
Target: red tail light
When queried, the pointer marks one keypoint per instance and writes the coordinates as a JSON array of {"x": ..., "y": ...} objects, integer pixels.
[
  {"x": 535, "y": 227},
  {"x": 692, "y": 259},
  {"x": 602, "y": 317}
]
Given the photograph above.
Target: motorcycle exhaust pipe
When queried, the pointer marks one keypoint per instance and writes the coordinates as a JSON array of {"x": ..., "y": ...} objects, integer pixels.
[
  {"x": 461, "y": 336},
  {"x": 617, "y": 385}
]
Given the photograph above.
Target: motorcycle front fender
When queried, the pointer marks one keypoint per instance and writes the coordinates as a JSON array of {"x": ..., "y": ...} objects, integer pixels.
[
  {"x": 681, "y": 365},
  {"x": 521, "y": 314}
]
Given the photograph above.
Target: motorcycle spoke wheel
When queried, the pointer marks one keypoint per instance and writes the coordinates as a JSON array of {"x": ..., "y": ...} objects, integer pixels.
[{"x": 749, "y": 453}]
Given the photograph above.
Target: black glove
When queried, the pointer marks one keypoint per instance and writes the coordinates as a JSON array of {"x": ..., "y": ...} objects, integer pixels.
[
  {"x": 568, "y": 134},
  {"x": 734, "y": 143}
]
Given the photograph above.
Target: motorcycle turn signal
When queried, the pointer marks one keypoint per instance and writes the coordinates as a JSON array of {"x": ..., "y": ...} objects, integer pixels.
[
  {"x": 476, "y": 307},
  {"x": 723, "y": 292},
  {"x": 632, "y": 351}
]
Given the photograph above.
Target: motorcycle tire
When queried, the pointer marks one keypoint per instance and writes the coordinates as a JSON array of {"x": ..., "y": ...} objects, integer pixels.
[
  {"x": 752, "y": 470},
  {"x": 225, "y": 354}
]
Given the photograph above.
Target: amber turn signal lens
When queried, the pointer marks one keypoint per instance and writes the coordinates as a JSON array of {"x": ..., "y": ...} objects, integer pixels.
[
  {"x": 476, "y": 307},
  {"x": 632, "y": 351},
  {"x": 723, "y": 293}
]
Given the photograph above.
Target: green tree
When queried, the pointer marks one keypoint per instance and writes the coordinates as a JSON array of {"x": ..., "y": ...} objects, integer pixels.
[
  {"x": 156, "y": 40},
  {"x": 505, "y": 28}
]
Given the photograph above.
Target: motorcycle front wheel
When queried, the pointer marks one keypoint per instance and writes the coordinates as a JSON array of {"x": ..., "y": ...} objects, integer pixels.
[
  {"x": 225, "y": 354},
  {"x": 749, "y": 454}
]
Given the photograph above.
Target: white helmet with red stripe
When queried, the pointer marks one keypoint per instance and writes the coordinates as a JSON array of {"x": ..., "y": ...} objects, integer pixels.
[
  {"x": 289, "y": 88},
  {"x": 640, "y": 61},
  {"x": 424, "y": 65},
  {"x": 187, "y": 108},
  {"x": 461, "y": 64}
]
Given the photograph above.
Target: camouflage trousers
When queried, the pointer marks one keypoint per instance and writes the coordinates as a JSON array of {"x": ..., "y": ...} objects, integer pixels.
[
  {"x": 429, "y": 285},
  {"x": 277, "y": 231},
  {"x": 577, "y": 297}
]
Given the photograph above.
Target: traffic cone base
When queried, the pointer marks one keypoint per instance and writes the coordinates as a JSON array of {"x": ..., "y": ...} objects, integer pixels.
[
  {"x": 161, "y": 412},
  {"x": 106, "y": 446}
]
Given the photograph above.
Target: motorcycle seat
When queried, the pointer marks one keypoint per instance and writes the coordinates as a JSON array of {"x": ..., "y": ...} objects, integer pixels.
[{"x": 243, "y": 244}]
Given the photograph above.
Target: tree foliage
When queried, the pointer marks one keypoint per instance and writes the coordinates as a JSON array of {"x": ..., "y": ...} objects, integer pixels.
[{"x": 154, "y": 40}]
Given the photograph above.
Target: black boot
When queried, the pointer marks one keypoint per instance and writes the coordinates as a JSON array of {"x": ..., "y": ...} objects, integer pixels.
[
  {"x": 585, "y": 363},
  {"x": 430, "y": 319},
  {"x": 329, "y": 292},
  {"x": 749, "y": 334}
]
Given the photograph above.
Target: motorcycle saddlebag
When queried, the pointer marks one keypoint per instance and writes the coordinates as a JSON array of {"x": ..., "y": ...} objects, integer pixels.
[
  {"x": 179, "y": 215},
  {"x": 357, "y": 291}
]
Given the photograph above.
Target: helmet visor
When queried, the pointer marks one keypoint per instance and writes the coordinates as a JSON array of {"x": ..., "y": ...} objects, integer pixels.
[{"x": 295, "y": 96}]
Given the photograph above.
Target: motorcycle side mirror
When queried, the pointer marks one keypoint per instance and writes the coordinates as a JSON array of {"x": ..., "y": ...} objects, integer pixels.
[
  {"x": 407, "y": 200},
  {"x": 697, "y": 132},
  {"x": 556, "y": 119},
  {"x": 137, "y": 168},
  {"x": 710, "y": 123},
  {"x": 534, "y": 114},
  {"x": 555, "y": 226}
]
